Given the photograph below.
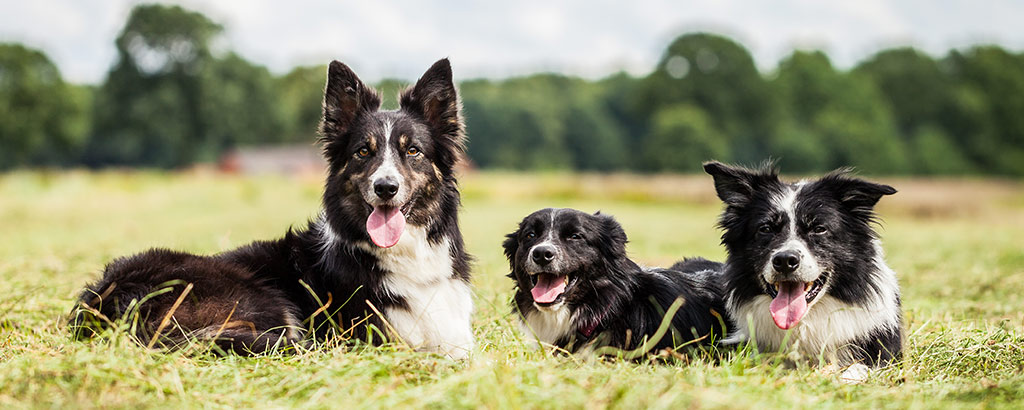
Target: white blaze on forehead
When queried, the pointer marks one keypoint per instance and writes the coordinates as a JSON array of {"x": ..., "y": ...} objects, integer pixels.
[
  {"x": 786, "y": 202},
  {"x": 551, "y": 228},
  {"x": 550, "y": 234},
  {"x": 388, "y": 125},
  {"x": 549, "y": 240},
  {"x": 389, "y": 167}
]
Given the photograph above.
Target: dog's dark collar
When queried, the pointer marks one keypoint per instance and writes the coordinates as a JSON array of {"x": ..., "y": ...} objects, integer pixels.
[{"x": 588, "y": 330}]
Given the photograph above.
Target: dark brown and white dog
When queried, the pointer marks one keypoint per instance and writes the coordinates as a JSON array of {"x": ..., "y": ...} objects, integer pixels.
[{"x": 386, "y": 246}]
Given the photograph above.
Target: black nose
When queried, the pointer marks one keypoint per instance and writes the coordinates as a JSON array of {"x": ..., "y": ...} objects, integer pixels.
[
  {"x": 543, "y": 255},
  {"x": 786, "y": 261},
  {"x": 385, "y": 188}
]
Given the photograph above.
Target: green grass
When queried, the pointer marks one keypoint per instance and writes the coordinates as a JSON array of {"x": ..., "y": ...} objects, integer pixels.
[{"x": 957, "y": 246}]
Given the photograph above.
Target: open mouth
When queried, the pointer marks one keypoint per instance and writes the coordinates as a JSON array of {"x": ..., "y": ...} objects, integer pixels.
[
  {"x": 548, "y": 288},
  {"x": 386, "y": 224},
  {"x": 790, "y": 300}
]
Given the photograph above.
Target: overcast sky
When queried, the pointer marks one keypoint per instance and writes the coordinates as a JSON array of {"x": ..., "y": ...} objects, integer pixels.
[{"x": 483, "y": 38}]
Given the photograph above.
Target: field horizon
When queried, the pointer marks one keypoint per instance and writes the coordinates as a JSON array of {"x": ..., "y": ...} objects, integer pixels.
[{"x": 954, "y": 242}]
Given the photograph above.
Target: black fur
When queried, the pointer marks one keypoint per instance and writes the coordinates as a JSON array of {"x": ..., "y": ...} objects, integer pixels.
[
  {"x": 242, "y": 298},
  {"x": 608, "y": 295}
]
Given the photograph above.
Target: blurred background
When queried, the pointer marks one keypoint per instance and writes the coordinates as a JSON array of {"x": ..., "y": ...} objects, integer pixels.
[{"x": 895, "y": 88}]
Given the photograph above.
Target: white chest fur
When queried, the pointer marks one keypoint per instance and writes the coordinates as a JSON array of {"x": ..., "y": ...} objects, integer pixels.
[
  {"x": 547, "y": 325},
  {"x": 829, "y": 324},
  {"x": 436, "y": 317}
]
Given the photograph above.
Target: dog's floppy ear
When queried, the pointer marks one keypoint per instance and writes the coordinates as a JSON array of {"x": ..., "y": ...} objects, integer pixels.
[
  {"x": 857, "y": 195},
  {"x": 511, "y": 246},
  {"x": 435, "y": 99},
  {"x": 613, "y": 237},
  {"x": 736, "y": 185},
  {"x": 345, "y": 99}
]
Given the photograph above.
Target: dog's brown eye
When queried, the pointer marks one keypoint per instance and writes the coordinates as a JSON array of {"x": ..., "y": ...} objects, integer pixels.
[
  {"x": 820, "y": 229},
  {"x": 412, "y": 151},
  {"x": 531, "y": 235},
  {"x": 766, "y": 228},
  {"x": 363, "y": 152},
  {"x": 576, "y": 236}
]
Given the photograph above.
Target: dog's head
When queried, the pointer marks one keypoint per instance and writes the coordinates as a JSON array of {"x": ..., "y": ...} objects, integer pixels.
[
  {"x": 793, "y": 242},
  {"x": 558, "y": 255},
  {"x": 388, "y": 168}
]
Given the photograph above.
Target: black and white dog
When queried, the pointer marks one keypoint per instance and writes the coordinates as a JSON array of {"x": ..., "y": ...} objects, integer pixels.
[
  {"x": 806, "y": 266},
  {"x": 386, "y": 252},
  {"x": 575, "y": 287}
]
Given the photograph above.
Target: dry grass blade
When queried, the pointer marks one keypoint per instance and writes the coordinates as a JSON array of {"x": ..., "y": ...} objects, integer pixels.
[
  {"x": 391, "y": 329},
  {"x": 167, "y": 317}
]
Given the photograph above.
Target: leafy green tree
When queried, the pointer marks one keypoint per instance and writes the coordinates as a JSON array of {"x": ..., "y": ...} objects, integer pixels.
[
  {"x": 799, "y": 148},
  {"x": 42, "y": 119},
  {"x": 594, "y": 139},
  {"x": 149, "y": 109},
  {"x": 835, "y": 119},
  {"x": 168, "y": 101},
  {"x": 239, "y": 105},
  {"x": 300, "y": 93},
  {"x": 937, "y": 154},
  {"x": 717, "y": 75},
  {"x": 512, "y": 135},
  {"x": 682, "y": 137},
  {"x": 542, "y": 121},
  {"x": 912, "y": 84},
  {"x": 986, "y": 119},
  {"x": 806, "y": 83},
  {"x": 617, "y": 98},
  {"x": 861, "y": 135}
]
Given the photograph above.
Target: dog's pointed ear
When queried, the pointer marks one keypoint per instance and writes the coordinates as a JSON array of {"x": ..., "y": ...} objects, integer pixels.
[
  {"x": 855, "y": 194},
  {"x": 434, "y": 96},
  {"x": 435, "y": 99},
  {"x": 345, "y": 99},
  {"x": 736, "y": 186}
]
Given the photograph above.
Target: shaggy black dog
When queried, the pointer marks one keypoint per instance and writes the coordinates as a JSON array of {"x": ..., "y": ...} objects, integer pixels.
[{"x": 576, "y": 287}]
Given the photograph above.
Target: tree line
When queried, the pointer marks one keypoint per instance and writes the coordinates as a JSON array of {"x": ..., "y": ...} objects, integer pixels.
[{"x": 170, "y": 100}]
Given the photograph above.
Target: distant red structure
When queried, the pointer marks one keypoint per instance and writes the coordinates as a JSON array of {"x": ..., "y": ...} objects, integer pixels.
[{"x": 277, "y": 159}]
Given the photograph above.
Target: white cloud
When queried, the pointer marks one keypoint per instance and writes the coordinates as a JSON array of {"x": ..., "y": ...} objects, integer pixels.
[{"x": 591, "y": 38}]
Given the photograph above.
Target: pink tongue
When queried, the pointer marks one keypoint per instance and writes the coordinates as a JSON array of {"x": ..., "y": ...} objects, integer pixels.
[
  {"x": 385, "y": 226},
  {"x": 548, "y": 288},
  {"x": 789, "y": 306}
]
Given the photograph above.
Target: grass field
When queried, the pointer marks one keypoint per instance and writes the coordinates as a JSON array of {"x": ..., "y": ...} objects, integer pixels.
[{"x": 957, "y": 245}]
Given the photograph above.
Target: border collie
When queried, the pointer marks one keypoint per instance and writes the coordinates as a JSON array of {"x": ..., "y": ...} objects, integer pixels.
[
  {"x": 385, "y": 255},
  {"x": 805, "y": 267},
  {"x": 575, "y": 287}
]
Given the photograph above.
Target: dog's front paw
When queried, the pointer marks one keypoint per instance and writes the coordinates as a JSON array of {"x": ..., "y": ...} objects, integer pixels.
[{"x": 855, "y": 374}]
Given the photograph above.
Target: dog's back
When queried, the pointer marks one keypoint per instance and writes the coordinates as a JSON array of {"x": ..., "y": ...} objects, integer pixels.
[
  {"x": 170, "y": 297},
  {"x": 702, "y": 319}
]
